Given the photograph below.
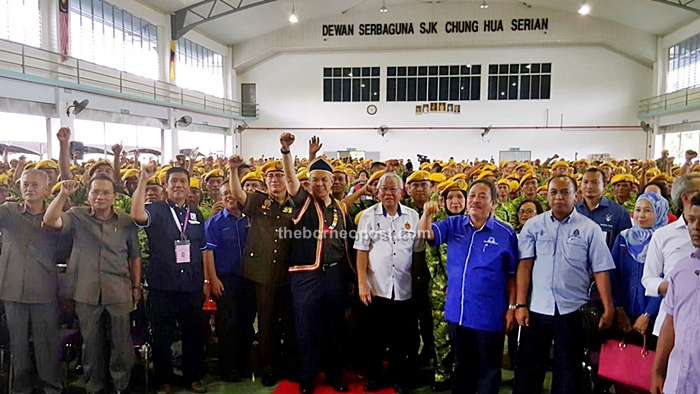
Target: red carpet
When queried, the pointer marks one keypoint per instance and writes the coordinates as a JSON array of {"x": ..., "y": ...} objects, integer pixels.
[{"x": 354, "y": 383}]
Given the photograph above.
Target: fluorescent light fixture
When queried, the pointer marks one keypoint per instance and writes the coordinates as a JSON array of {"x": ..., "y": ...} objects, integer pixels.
[
  {"x": 484, "y": 6},
  {"x": 585, "y": 9},
  {"x": 293, "y": 18},
  {"x": 383, "y": 9}
]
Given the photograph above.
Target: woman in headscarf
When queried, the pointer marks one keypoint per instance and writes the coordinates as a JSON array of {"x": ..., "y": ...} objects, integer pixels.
[
  {"x": 635, "y": 311},
  {"x": 453, "y": 199}
]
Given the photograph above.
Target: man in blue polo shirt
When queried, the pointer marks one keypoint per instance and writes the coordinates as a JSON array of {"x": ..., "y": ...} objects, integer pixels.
[
  {"x": 226, "y": 234},
  {"x": 610, "y": 216},
  {"x": 482, "y": 257}
]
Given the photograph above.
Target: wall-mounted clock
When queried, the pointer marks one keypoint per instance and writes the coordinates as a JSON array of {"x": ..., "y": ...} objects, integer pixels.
[{"x": 371, "y": 109}]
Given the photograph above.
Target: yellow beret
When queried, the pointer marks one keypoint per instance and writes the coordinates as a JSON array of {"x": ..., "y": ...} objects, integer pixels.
[
  {"x": 419, "y": 175},
  {"x": 214, "y": 174},
  {"x": 349, "y": 170},
  {"x": 608, "y": 164},
  {"x": 200, "y": 170},
  {"x": 437, "y": 177},
  {"x": 93, "y": 168},
  {"x": 272, "y": 165},
  {"x": 541, "y": 188},
  {"x": 251, "y": 176},
  {"x": 670, "y": 179},
  {"x": 559, "y": 164},
  {"x": 514, "y": 186},
  {"x": 513, "y": 176},
  {"x": 340, "y": 168},
  {"x": 46, "y": 164},
  {"x": 376, "y": 176},
  {"x": 485, "y": 174},
  {"x": 56, "y": 188},
  {"x": 450, "y": 186},
  {"x": 29, "y": 165},
  {"x": 129, "y": 174},
  {"x": 195, "y": 183},
  {"x": 522, "y": 165},
  {"x": 424, "y": 165},
  {"x": 622, "y": 178},
  {"x": 154, "y": 180},
  {"x": 527, "y": 177},
  {"x": 503, "y": 181},
  {"x": 442, "y": 185},
  {"x": 73, "y": 167},
  {"x": 658, "y": 177},
  {"x": 489, "y": 167},
  {"x": 303, "y": 174},
  {"x": 653, "y": 172},
  {"x": 161, "y": 177},
  {"x": 461, "y": 175}
]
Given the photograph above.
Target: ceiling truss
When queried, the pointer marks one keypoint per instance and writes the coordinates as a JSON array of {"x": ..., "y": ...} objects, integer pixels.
[
  {"x": 682, "y": 4},
  {"x": 190, "y": 17}
]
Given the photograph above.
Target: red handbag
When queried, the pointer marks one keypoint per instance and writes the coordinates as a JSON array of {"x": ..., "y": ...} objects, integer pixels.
[{"x": 626, "y": 364}]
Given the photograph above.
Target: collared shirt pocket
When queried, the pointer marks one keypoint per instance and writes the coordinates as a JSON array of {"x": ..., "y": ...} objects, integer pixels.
[
  {"x": 544, "y": 247},
  {"x": 576, "y": 250}
]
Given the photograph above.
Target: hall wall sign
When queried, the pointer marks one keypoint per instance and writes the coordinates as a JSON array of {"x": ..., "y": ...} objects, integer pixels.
[{"x": 427, "y": 28}]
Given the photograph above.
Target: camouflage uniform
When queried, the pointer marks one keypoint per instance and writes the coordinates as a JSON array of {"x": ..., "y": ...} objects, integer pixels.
[
  {"x": 502, "y": 212},
  {"x": 513, "y": 209},
  {"x": 436, "y": 258},
  {"x": 629, "y": 204},
  {"x": 359, "y": 206}
]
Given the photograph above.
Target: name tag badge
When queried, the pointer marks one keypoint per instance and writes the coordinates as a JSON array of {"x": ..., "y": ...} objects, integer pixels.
[{"x": 182, "y": 252}]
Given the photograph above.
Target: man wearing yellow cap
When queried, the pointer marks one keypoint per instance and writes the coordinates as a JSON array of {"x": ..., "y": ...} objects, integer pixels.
[
  {"x": 252, "y": 181},
  {"x": 265, "y": 260},
  {"x": 50, "y": 168},
  {"x": 320, "y": 268},
  {"x": 502, "y": 210},
  {"x": 622, "y": 191},
  {"x": 130, "y": 179},
  {"x": 368, "y": 199}
]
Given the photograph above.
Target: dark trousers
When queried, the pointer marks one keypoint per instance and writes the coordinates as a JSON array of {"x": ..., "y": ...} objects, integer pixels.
[
  {"x": 424, "y": 312},
  {"x": 533, "y": 355},
  {"x": 319, "y": 299},
  {"x": 275, "y": 323},
  {"x": 235, "y": 329},
  {"x": 390, "y": 326},
  {"x": 168, "y": 309},
  {"x": 478, "y": 357}
]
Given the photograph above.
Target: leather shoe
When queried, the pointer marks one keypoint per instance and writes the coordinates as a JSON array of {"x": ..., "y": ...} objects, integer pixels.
[
  {"x": 306, "y": 387},
  {"x": 198, "y": 387},
  {"x": 164, "y": 389},
  {"x": 269, "y": 379}
]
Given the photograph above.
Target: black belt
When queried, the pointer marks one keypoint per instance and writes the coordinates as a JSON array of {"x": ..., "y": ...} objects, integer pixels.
[{"x": 327, "y": 266}]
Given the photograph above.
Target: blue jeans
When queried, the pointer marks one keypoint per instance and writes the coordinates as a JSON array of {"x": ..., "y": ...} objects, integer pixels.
[{"x": 478, "y": 358}]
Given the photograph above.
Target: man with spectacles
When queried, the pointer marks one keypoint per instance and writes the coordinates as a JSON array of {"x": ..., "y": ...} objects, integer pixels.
[
  {"x": 104, "y": 278},
  {"x": 670, "y": 244},
  {"x": 265, "y": 261},
  {"x": 387, "y": 245}
]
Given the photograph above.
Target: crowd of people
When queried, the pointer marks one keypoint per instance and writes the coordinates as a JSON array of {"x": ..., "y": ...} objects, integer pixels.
[{"x": 333, "y": 264}]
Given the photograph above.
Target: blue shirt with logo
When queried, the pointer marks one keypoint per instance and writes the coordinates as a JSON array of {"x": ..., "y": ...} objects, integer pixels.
[
  {"x": 479, "y": 264},
  {"x": 610, "y": 216},
  {"x": 226, "y": 236}
]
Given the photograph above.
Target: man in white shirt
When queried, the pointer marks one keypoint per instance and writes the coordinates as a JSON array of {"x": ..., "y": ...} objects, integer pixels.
[
  {"x": 386, "y": 241},
  {"x": 669, "y": 245}
]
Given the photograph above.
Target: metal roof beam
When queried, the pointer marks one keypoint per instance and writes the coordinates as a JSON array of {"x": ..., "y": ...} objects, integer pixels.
[
  {"x": 178, "y": 24},
  {"x": 680, "y": 4}
]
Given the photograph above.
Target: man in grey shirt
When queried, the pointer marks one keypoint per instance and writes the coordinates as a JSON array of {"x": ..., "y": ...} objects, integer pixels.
[
  {"x": 104, "y": 277},
  {"x": 28, "y": 285}
]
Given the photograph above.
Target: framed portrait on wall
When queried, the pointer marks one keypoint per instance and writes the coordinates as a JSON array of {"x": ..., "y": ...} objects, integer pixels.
[
  {"x": 433, "y": 107},
  {"x": 419, "y": 110},
  {"x": 442, "y": 107},
  {"x": 426, "y": 108},
  {"x": 450, "y": 108},
  {"x": 458, "y": 109}
]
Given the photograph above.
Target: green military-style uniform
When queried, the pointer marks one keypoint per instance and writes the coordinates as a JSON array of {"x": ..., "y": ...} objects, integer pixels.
[
  {"x": 629, "y": 204},
  {"x": 502, "y": 212},
  {"x": 436, "y": 259},
  {"x": 359, "y": 206},
  {"x": 513, "y": 209}
]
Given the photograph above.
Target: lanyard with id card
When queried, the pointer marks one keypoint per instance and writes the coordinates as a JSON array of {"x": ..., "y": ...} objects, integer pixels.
[{"x": 182, "y": 246}]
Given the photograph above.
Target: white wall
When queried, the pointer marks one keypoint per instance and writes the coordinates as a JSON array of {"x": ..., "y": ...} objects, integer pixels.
[{"x": 591, "y": 86}]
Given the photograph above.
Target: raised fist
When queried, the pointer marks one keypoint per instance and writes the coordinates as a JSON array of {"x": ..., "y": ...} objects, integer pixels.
[
  {"x": 286, "y": 140},
  {"x": 234, "y": 162},
  {"x": 117, "y": 149},
  {"x": 63, "y": 134},
  {"x": 431, "y": 208},
  {"x": 69, "y": 187},
  {"x": 148, "y": 171}
]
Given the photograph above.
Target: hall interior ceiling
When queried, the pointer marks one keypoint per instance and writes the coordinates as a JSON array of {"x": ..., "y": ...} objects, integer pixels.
[{"x": 263, "y": 16}]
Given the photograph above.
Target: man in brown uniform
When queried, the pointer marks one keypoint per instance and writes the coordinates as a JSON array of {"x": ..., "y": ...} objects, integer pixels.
[
  {"x": 264, "y": 261},
  {"x": 28, "y": 285},
  {"x": 104, "y": 272}
]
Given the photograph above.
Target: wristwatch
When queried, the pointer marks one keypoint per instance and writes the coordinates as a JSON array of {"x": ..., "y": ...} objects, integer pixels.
[
  {"x": 518, "y": 306},
  {"x": 206, "y": 281},
  {"x": 512, "y": 307},
  {"x": 284, "y": 152}
]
